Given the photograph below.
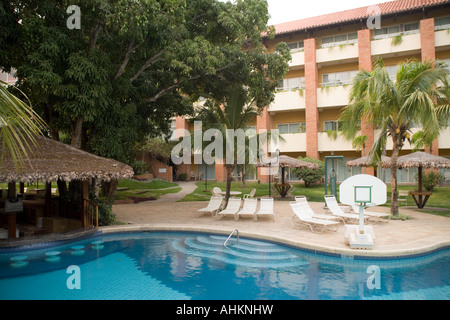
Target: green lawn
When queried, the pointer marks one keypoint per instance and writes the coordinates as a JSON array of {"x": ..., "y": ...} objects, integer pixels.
[{"x": 145, "y": 189}]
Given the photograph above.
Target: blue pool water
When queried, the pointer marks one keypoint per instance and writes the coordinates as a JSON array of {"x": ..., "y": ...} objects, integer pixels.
[{"x": 173, "y": 266}]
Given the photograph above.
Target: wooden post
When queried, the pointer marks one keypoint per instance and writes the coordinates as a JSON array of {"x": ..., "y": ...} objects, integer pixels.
[
  {"x": 11, "y": 216},
  {"x": 84, "y": 196},
  {"x": 48, "y": 200},
  {"x": 12, "y": 225}
]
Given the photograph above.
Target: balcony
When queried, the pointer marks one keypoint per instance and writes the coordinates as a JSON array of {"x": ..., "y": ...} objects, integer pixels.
[
  {"x": 410, "y": 44},
  {"x": 298, "y": 59},
  {"x": 444, "y": 139},
  {"x": 287, "y": 101},
  {"x": 294, "y": 142},
  {"x": 340, "y": 53},
  {"x": 333, "y": 96},
  {"x": 442, "y": 38},
  {"x": 325, "y": 143}
]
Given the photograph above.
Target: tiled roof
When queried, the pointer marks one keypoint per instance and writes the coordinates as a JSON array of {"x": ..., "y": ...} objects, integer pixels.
[{"x": 355, "y": 14}]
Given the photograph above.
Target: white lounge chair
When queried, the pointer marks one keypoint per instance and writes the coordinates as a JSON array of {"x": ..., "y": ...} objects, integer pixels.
[
  {"x": 302, "y": 217},
  {"x": 249, "y": 207},
  {"x": 216, "y": 192},
  {"x": 373, "y": 215},
  {"x": 251, "y": 194},
  {"x": 307, "y": 209},
  {"x": 265, "y": 209},
  {"x": 233, "y": 206},
  {"x": 213, "y": 206},
  {"x": 335, "y": 209}
]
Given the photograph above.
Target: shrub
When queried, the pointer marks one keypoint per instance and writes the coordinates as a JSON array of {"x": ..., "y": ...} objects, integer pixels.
[
  {"x": 309, "y": 175},
  {"x": 140, "y": 167},
  {"x": 182, "y": 177},
  {"x": 430, "y": 180},
  {"x": 106, "y": 216}
]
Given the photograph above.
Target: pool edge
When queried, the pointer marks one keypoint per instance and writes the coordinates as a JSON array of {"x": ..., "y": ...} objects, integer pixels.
[{"x": 318, "y": 249}]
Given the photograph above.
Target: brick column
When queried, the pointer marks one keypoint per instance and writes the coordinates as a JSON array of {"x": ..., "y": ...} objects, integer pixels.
[
  {"x": 311, "y": 112},
  {"x": 427, "y": 43},
  {"x": 365, "y": 63},
  {"x": 263, "y": 122}
]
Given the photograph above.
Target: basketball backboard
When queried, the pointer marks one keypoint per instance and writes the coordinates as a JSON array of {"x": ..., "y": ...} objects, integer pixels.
[{"x": 362, "y": 189}]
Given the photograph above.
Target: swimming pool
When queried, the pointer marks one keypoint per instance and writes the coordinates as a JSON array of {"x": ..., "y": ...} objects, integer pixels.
[{"x": 179, "y": 266}]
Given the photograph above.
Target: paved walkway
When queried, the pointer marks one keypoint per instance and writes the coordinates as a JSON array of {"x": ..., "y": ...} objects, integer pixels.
[
  {"x": 424, "y": 232},
  {"x": 187, "y": 187}
]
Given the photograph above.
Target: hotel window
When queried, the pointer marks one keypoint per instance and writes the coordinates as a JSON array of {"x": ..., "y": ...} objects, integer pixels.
[
  {"x": 387, "y": 32},
  {"x": 338, "y": 78},
  {"x": 292, "y": 84},
  {"x": 442, "y": 23},
  {"x": 335, "y": 125},
  {"x": 331, "y": 41},
  {"x": 392, "y": 71},
  {"x": 292, "y": 128},
  {"x": 296, "y": 46},
  {"x": 331, "y": 125}
]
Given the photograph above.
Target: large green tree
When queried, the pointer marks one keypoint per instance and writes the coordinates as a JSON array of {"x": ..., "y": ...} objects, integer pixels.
[
  {"x": 418, "y": 95},
  {"x": 133, "y": 65}
]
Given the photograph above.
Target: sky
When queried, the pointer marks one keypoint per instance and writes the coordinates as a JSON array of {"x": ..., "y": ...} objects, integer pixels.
[{"x": 290, "y": 10}]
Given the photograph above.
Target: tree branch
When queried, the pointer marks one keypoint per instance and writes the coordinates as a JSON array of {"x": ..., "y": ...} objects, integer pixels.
[
  {"x": 131, "y": 48},
  {"x": 94, "y": 35},
  {"x": 147, "y": 64}
]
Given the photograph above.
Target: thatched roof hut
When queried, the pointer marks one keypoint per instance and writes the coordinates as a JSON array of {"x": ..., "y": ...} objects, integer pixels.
[
  {"x": 50, "y": 160},
  {"x": 289, "y": 162},
  {"x": 365, "y": 161},
  {"x": 420, "y": 159}
]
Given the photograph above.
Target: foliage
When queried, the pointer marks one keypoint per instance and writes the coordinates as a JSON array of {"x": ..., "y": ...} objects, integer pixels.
[
  {"x": 309, "y": 175},
  {"x": 158, "y": 148},
  {"x": 106, "y": 216},
  {"x": 430, "y": 180},
  {"x": 18, "y": 125},
  {"x": 134, "y": 65},
  {"x": 420, "y": 94},
  {"x": 140, "y": 167},
  {"x": 182, "y": 177}
]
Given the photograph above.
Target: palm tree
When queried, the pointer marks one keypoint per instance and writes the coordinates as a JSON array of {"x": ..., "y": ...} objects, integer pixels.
[
  {"x": 19, "y": 123},
  {"x": 420, "y": 94},
  {"x": 237, "y": 112}
]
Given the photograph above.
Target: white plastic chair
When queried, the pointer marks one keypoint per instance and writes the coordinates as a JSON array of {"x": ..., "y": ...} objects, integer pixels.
[
  {"x": 249, "y": 208},
  {"x": 302, "y": 217},
  {"x": 233, "y": 206},
  {"x": 336, "y": 210},
  {"x": 307, "y": 209},
  {"x": 216, "y": 191},
  {"x": 372, "y": 214},
  {"x": 265, "y": 209},
  {"x": 213, "y": 206},
  {"x": 251, "y": 194}
]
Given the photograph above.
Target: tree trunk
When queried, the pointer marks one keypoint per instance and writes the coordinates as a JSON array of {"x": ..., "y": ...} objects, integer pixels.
[
  {"x": 230, "y": 169},
  {"x": 394, "y": 195},
  {"x": 109, "y": 189},
  {"x": 76, "y": 133},
  {"x": 244, "y": 183}
]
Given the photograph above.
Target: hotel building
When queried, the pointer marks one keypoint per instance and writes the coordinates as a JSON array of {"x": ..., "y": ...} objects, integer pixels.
[{"x": 327, "y": 52}]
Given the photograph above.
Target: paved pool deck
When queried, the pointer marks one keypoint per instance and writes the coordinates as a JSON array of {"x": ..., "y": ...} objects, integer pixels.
[{"x": 421, "y": 234}]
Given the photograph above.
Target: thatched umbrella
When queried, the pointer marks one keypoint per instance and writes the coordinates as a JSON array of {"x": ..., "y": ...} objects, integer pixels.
[
  {"x": 365, "y": 162},
  {"x": 288, "y": 162},
  {"x": 420, "y": 160}
]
